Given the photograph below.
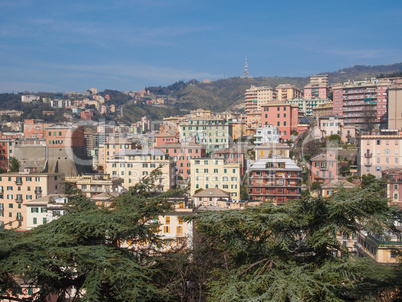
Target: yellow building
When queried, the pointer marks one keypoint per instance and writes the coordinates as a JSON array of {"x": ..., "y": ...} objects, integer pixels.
[
  {"x": 239, "y": 129},
  {"x": 133, "y": 165},
  {"x": 16, "y": 189},
  {"x": 95, "y": 184},
  {"x": 214, "y": 173},
  {"x": 112, "y": 147},
  {"x": 287, "y": 92},
  {"x": 381, "y": 248},
  {"x": 257, "y": 96}
]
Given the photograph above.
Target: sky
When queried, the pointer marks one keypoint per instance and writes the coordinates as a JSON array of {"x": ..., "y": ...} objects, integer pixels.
[{"x": 126, "y": 45}]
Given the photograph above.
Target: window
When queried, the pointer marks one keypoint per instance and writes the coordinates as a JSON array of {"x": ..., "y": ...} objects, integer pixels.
[
  {"x": 167, "y": 220},
  {"x": 35, "y": 220}
]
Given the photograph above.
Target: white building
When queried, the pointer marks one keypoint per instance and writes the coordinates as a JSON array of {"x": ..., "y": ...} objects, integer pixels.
[
  {"x": 45, "y": 209},
  {"x": 266, "y": 134}
]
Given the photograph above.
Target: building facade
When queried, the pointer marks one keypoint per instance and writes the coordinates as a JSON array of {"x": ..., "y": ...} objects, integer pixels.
[
  {"x": 379, "y": 151},
  {"x": 181, "y": 155},
  {"x": 215, "y": 173},
  {"x": 362, "y": 102},
  {"x": 255, "y": 97},
  {"x": 133, "y": 165},
  {"x": 275, "y": 179},
  {"x": 214, "y": 134},
  {"x": 17, "y": 189},
  {"x": 287, "y": 92},
  {"x": 283, "y": 116}
]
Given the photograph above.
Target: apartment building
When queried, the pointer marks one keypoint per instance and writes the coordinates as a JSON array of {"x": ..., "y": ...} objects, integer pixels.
[
  {"x": 281, "y": 115},
  {"x": 181, "y": 154},
  {"x": 239, "y": 128},
  {"x": 215, "y": 173},
  {"x": 394, "y": 185},
  {"x": 324, "y": 168},
  {"x": 95, "y": 184},
  {"x": 331, "y": 187},
  {"x": 45, "y": 209},
  {"x": 270, "y": 150},
  {"x": 66, "y": 150},
  {"x": 287, "y": 92},
  {"x": 234, "y": 155},
  {"x": 382, "y": 249},
  {"x": 362, "y": 102},
  {"x": 16, "y": 189},
  {"x": 255, "y": 97},
  {"x": 317, "y": 88},
  {"x": 275, "y": 179},
  {"x": 113, "y": 146},
  {"x": 166, "y": 138},
  {"x": 214, "y": 134},
  {"x": 394, "y": 105},
  {"x": 379, "y": 151},
  {"x": 265, "y": 134},
  {"x": 307, "y": 106},
  {"x": 35, "y": 128},
  {"x": 133, "y": 165},
  {"x": 323, "y": 109}
]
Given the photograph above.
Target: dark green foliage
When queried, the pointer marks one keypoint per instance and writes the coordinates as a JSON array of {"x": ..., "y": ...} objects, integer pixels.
[
  {"x": 334, "y": 137},
  {"x": 14, "y": 165},
  {"x": 316, "y": 185},
  {"x": 286, "y": 253},
  {"x": 85, "y": 250},
  {"x": 244, "y": 193}
]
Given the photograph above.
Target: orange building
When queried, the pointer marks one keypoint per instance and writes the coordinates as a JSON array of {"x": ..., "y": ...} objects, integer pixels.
[
  {"x": 16, "y": 189},
  {"x": 35, "y": 128}
]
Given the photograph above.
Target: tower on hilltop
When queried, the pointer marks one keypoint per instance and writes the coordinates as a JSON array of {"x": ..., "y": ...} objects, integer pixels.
[{"x": 245, "y": 69}]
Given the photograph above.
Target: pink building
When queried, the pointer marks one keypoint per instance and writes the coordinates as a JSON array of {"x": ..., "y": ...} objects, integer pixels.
[
  {"x": 87, "y": 114},
  {"x": 331, "y": 187},
  {"x": 281, "y": 115},
  {"x": 324, "y": 168},
  {"x": 315, "y": 91},
  {"x": 362, "y": 102},
  {"x": 394, "y": 186},
  {"x": 232, "y": 156},
  {"x": 181, "y": 155},
  {"x": 317, "y": 88},
  {"x": 379, "y": 151},
  {"x": 166, "y": 138}
]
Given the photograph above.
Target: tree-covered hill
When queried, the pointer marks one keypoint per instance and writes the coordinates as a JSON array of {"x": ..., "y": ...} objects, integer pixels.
[{"x": 225, "y": 93}]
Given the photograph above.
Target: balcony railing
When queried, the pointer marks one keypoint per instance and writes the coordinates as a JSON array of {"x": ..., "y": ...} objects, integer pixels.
[
  {"x": 18, "y": 200},
  {"x": 20, "y": 218},
  {"x": 368, "y": 155},
  {"x": 18, "y": 182}
]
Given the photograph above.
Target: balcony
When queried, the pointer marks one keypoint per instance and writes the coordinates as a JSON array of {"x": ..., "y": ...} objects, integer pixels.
[
  {"x": 38, "y": 191},
  {"x": 19, "y": 200},
  {"x": 368, "y": 164},
  {"x": 18, "y": 182},
  {"x": 20, "y": 218},
  {"x": 323, "y": 168},
  {"x": 368, "y": 155}
]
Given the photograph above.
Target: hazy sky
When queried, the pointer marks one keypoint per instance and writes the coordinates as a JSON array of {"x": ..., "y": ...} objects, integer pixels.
[{"x": 127, "y": 44}]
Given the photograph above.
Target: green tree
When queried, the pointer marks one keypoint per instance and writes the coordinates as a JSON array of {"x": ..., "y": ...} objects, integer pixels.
[
  {"x": 85, "y": 251},
  {"x": 14, "y": 165},
  {"x": 244, "y": 193},
  {"x": 287, "y": 253}
]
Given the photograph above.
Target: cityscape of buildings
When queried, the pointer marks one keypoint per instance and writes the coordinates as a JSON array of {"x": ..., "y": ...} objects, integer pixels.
[{"x": 288, "y": 141}]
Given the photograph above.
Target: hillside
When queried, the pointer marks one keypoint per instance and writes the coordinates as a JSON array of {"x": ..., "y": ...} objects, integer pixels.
[{"x": 224, "y": 94}]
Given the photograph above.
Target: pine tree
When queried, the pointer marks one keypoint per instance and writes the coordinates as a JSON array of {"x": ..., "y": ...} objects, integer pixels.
[
  {"x": 287, "y": 253},
  {"x": 84, "y": 253}
]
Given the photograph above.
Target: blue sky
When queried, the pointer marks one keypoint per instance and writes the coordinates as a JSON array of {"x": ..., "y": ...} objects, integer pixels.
[{"x": 128, "y": 44}]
